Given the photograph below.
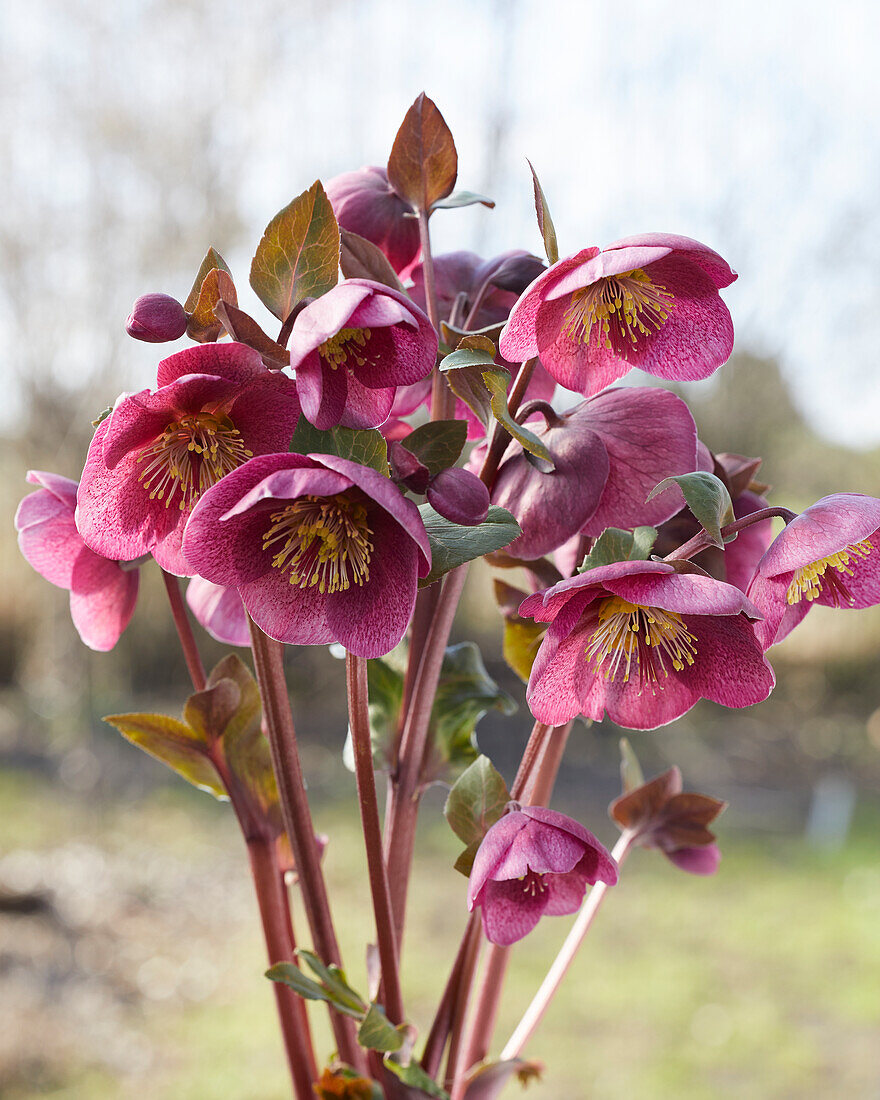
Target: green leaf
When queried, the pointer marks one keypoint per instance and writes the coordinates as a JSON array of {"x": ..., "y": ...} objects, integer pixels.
[
  {"x": 289, "y": 974},
  {"x": 378, "y": 1033},
  {"x": 616, "y": 545},
  {"x": 423, "y": 165},
  {"x": 298, "y": 256},
  {"x": 631, "y": 774},
  {"x": 437, "y": 444},
  {"x": 497, "y": 381},
  {"x": 334, "y": 982},
  {"x": 477, "y": 801},
  {"x": 209, "y": 711},
  {"x": 212, "y": 261},
  {"x": 414, "y": 1076},
  {"x": 467, "y": 357},
  {"x": 463, "y": 198},
  {"x": 365, "y": 446},
  {"x": 706, "y": 496},
  {"x": 465, "y": 693},
  {"x": 173, "y": 742},
  {"x": 361, "y": 259},
  {"x": 545, "y": 222},
  {"x": 467, "y": 384},
  {"x": 465, "y": 862},
  {"x": 452, "y": 544}
]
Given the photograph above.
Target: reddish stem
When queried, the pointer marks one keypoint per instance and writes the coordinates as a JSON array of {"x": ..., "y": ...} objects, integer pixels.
[
  {"x": 473, "y": 944},
  {"x": 184, "y": 631},
  {"x": 440, "y": 1028},
  {"x": 703, "y": 540},
  {"x": 358, "y": 704},
  {"x": 268, "y": 662},
  {"x": 280, "y": 946}
]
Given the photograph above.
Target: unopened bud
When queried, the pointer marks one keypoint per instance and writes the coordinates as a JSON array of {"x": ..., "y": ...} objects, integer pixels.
[
  {"x": 459, "y": 496},
  {"x": 156, "y": 318}
]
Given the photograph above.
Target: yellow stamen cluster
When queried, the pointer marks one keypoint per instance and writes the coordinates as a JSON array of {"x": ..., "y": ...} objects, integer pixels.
[
  {"x": 324, "y": 541},
  {"x": 617, "y": 310},
  {"x": 344, "y": 347},
  {"x": 810, "y": 580},
  {"x": 633, "y": 640},
  {"x": 190, "y": 456}
]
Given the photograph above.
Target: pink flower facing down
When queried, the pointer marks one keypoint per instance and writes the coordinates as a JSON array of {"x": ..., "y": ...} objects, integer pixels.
[
  {"x": 662, "y": 816},
  {"x": 219, "y": 610},
  {"x": 649, "y": 301},
  {"x": 609, "y": 453},
  {"x": 365, "y": 203},
  {"x": 102, "y": 595},
  {"x": 643, "y": 643},
  {"x": 534, "y": 862},
  {"x": 153, "y": 457},
  {"x": 829, "y": 554},
  {"x": 351, "y": 349},
  {"x": 321, "y": 550}
]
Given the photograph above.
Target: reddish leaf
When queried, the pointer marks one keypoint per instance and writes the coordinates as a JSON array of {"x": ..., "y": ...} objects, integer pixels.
[
  {"x": 298, "y": 256},
  {"x": 545, "y": 222},
  {"x": 361, "y": 259},
  {"x": 203, "y": 325},
  {"x": 423, "y": 165},
  {"x": 245, "y": 329},
  {"x": 212, "y": 260}
]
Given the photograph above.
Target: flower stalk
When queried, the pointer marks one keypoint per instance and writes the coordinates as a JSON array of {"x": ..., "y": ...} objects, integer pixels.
[{"x": 185, "y": 632}]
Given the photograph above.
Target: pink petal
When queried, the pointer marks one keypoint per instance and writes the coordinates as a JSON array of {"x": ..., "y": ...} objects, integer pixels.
[
  {"x": 683, "y": 593},
  {"x": 64, "y": 488},
  {"x": 821, "y": 530},
  {"x": 236, "y": 362},
  {"x": 509, "y": 912},
  {"x": 47, "y": 536},
  {"x": 703, "y": 860},
  {"x": 297, "y": 616},
  {"x": 322, "y": 392},
  {"x": 219, "y": 610},
  {"x": 102, "y": 599},
  {"x": 714, "y": 265},
  {"x": 565, "y": 893}
]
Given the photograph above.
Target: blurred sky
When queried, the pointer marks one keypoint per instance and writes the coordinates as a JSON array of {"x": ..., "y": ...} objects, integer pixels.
[{"x": 130, "y": 126}]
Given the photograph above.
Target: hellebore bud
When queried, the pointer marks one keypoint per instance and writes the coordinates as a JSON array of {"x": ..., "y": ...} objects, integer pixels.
[
  {"x": 156, "y": 318},
  {"x": 459, "y": 496}
]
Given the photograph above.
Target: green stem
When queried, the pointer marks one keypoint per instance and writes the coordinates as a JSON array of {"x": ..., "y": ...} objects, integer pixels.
[
  {"x": 359, "y": 721},
  {"x": 268, "y": 662}
]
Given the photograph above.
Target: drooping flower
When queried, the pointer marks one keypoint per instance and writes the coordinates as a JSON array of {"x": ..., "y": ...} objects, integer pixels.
[
  {"x": 534, "y": 862},
  {"x": 216, "y": 405},
  {"x": 352, "y": 347},
  {"x": 459, "y": 496},
  {"x": 102, "y": 595},
  {"x": 219, "y": 610},
  {"x": 609, "y": 452},
  {"x": 156, "y": 319},
  {"x": 662, "y": 816},
  {"x": 642, "y": 642},
  {"x": 365, "y": 203},
  {"x": 737, "y": 560},
  {"x": 321, "y": 549},
  {"x": 828, "y": 554},
  {"x": 649, "y": 301}
]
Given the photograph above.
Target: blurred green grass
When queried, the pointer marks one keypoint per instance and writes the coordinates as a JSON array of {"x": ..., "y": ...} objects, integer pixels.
[{"x": 761, "y": 981}]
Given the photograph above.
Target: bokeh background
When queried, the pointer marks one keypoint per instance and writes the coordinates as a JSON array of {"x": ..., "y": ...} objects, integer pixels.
[{"x": 139, "y": 132}]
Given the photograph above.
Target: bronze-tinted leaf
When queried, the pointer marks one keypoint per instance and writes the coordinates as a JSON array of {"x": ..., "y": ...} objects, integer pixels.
[
  {"x": 242, "y": 327},
  {"x": 174, "y": 743},
  {"x": 213, "y": 260},
  {"x": 203, "y": 325},
  {"x": 298, "y": 256},
  {"x": 361, "y": 259},
  {"x": 641, "y": 806},
  {"x": 545, "y": 222},
  {"x": 209, "y": 711},
  {"x": 423, "y": 165}
]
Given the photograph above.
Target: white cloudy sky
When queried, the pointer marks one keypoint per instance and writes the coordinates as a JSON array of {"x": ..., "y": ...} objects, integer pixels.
[{"x": 753, "y": 126}]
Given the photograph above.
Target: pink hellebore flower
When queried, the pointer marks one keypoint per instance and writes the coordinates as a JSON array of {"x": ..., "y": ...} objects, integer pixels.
[
  {"x": 219, "y": 610},
  {"x": 534, "y": 862},
  {"x": 676, "y": 823},
  {"x": 352, "y": 347},
  {"x": 649, "y": 301},
  {"x": 321, "y": 549},
  {"x": 609, "y": 453},
  {"x": 463, "y": 281},
  {"x": 829, "y": 554},
  {"x": 365, "y": 203},
  {"x": 643, "y": 642},
  {"x": 156, "y": 453},
  {"x": 102, "y": 595}
]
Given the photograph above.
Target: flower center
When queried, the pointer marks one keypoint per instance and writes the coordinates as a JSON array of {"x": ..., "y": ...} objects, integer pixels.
[
  {"x": 348, "y": 345},
  {"x": 533, "y": 883},
  {"x": 632, "y": 639},
  {"x": 190, "y": 456},
  {"x": 617, "y": 310},
  {"x": 324, "y": 541},
  {"x": 811, "y": 580}
]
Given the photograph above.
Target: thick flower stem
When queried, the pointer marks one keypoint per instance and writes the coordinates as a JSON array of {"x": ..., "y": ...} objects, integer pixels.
[
  {"x": 442, "y": 397},
  {"x": 280, "y": 946},
  {"x": 403, "y": 812},
  {"x": 184, "y": 632},
  {"x": 298, "y": 820},
  {"x": 535, "y": 1012},
  {"x": 358, "y": 703},
  {"x": 702, "y": 540},
  {"x": 473, "y": 944},
  {"x": 500, "y": 439},
  {"x": 440, "y": 1028},
  {"x": 533, "y": 786}
]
